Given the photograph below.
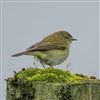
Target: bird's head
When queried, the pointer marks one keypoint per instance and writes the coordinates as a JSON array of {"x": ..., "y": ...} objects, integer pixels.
[{"x": 67, "y": 36}]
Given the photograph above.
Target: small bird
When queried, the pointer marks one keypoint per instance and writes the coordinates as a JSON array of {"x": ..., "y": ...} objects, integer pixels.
[{"x": 52, "y": 50}]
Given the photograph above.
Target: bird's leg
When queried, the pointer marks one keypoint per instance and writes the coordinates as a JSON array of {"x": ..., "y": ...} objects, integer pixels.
[
  {"x": 51, "y": 66},
  {"x": 42, "y": 63},
  {"x": 68, "y": 65},
  {"x": 35, "y": 62}
]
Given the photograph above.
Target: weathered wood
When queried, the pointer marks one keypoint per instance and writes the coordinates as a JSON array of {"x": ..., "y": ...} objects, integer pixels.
[{"x": 31, "y": 90}]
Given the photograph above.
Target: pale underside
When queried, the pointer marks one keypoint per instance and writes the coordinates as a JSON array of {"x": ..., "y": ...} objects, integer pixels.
[{"x": 51, "y": 57}]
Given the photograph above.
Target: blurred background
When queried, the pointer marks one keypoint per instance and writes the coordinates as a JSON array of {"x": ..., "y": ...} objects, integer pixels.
[{"x": 26, "y": 23}]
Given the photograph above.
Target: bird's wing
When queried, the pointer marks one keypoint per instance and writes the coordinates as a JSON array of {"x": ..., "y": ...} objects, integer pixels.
[
  {"x": 33, "y": 46},
  {"x": 44, "y": 47},
  {"x": 51, "y": 42}
]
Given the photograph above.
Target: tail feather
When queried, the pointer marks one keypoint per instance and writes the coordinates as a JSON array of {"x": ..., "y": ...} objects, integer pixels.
[{"x": 20, "y": 54}]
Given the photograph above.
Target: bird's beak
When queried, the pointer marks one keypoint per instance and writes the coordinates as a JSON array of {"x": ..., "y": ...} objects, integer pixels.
[{"x": 74, "y": 39}]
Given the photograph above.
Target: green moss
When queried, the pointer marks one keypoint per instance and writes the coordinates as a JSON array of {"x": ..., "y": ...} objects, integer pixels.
[{"x": 49, "y": 75}]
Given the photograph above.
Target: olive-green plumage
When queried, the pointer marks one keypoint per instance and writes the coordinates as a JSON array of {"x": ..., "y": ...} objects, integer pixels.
[{"x": 52, "y": 50}]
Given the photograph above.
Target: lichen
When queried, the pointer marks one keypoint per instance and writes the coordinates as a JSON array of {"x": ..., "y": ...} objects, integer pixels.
[{"x": 49, "y": 75}]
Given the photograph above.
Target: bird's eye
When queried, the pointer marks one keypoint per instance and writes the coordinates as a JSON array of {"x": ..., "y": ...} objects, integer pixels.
[{"x": 68, "y": 38}]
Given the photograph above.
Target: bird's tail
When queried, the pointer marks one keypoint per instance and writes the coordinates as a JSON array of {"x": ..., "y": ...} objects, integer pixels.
[{"x": 20, "y": 54}]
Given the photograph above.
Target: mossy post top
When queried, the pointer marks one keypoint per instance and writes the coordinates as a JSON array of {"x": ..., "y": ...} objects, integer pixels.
[{"x": 51, "y": 75}]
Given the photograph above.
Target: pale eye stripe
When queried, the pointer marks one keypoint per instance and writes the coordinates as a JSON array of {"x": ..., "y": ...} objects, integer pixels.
[{"x": 69, "y": 35}]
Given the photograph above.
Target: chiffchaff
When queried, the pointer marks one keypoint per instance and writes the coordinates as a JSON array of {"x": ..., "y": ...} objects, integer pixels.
[{"x": 52, "y": 50}]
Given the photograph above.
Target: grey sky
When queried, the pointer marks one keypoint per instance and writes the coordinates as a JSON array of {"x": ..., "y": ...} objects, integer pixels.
[{"x": 27, "y": 23}]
